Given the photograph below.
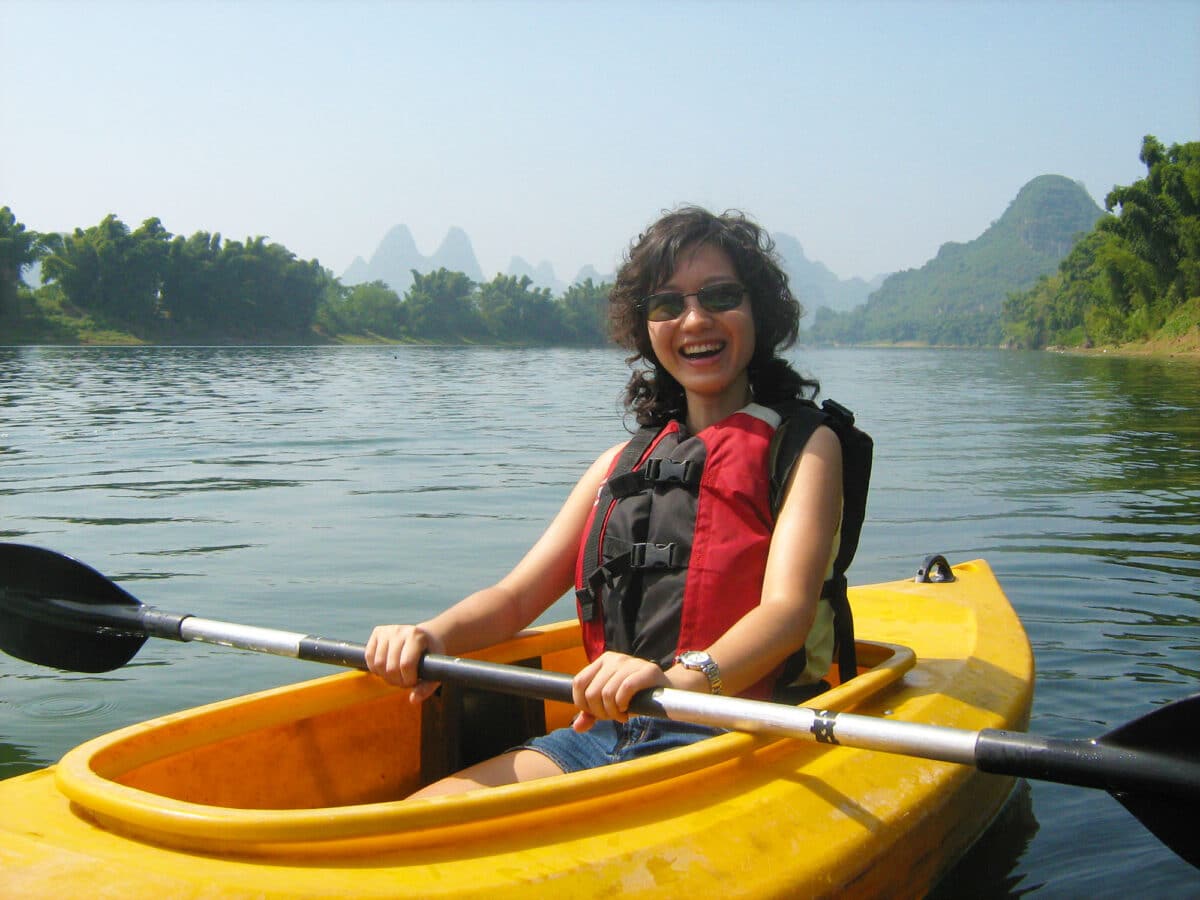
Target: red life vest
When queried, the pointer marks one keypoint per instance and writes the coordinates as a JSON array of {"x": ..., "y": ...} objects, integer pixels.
[{"x": 678, "y": 540}]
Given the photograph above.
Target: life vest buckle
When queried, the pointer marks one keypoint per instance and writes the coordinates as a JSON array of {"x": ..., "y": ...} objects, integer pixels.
[
  {"x": 652, "y": 556},
  {"x": 671, "y": 471}
]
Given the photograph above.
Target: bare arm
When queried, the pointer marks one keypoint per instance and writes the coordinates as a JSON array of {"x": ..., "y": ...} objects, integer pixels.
[{"x": 497, "y": 612}]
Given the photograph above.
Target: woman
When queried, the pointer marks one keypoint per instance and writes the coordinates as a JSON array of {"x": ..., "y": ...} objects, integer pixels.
[{"x": 703, "y": 305}]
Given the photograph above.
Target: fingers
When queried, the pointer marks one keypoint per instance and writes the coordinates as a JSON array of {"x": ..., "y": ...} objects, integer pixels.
[
  {"x": 605, "y": 687},
  {"x": 394, "y": 653},
  {"x": 583, "y": 722},
  {"x": 423, "y": 691}
]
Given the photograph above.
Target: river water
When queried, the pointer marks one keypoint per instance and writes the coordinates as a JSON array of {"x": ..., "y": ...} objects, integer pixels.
[{"x": 324, "y": 490}]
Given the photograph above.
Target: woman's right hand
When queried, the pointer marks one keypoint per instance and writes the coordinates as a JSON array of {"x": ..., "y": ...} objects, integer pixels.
[{"x": 394, "y": 653}]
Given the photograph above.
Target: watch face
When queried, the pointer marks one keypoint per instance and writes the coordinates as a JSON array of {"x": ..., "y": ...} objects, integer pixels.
[{"x": 701, "y": 661}]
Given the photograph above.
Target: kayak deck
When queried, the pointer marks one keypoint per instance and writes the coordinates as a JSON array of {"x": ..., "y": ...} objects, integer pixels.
[{"x": 295, "y": 791}]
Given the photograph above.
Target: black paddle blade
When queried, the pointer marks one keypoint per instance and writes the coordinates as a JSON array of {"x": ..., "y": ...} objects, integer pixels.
[
  {"x": 1172, "y": 729},
  {"x": 1171, "y": 732},
  {"x": 1171, "y": 820},
  {"x": 57, "y": 612}
]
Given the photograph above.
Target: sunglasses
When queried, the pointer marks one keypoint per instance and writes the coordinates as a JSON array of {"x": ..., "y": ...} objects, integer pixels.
[{"x": 715, "y": 298}]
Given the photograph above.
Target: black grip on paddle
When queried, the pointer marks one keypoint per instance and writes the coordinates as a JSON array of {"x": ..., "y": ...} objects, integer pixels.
[
  {"x": 336, "y": 653},
  {"x": 1086, "y": 763},
  {"x": 519, "y": 681},
  {"x": 158, "y": 623},
  {"x": 1016, "y": 753}
]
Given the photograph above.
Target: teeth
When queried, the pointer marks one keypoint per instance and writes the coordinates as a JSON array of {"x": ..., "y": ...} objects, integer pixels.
[{"x": 696, "y": 349}]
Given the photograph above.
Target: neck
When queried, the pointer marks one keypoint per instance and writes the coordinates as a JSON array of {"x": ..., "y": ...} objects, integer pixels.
[{"x": 703, "y": 410}]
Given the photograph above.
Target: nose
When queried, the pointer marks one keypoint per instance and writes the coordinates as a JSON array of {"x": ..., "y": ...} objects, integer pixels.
[{"x": 693, "y": 311}]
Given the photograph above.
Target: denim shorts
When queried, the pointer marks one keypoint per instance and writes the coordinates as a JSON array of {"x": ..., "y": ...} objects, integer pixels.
[{"x": 609, "y": 741}]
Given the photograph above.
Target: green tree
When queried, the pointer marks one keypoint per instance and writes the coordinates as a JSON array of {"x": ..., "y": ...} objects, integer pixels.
[
  {"x": 260, "y": 291},
  {"x": 110, "y": 271},
  {"x": 1055, "y": 310},
  {"x": 1158, "y": 221},
  {"x": 158, "y": 286},
  {"x": 142, "y": 269},
  {"x": 439, "y": 306},
  {"x": 19, "y": 248},
  {"x": 513, "y": 310},
  {"x": 1139, "y": 265},
  {"x": 75, "y": 266},
  {"x": 191, "y": 290},
  {"x": 366, "y": 309},
  {"x": 584, "y": 313}
]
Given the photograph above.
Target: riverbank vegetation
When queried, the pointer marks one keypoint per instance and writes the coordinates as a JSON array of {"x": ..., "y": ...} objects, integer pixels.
[
  {"x": 112, "y": 284},
  {"x": 1135, "y": 278},
  {"x": 1132, "y": 280}
]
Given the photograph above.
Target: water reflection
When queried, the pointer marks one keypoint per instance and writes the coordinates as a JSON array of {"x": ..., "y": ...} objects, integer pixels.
[
  {"x": 16, "y": 759},
  {"x": 999, "y": 852}
]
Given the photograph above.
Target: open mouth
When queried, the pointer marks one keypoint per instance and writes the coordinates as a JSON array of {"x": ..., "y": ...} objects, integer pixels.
[{"x": 702, "y": 351}]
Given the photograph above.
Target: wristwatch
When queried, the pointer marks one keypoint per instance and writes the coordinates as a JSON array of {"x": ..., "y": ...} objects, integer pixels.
[{"x": 702, "y": 662}]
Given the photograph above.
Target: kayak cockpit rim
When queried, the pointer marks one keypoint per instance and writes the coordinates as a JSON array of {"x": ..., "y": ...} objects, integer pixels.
[{"x": 106, "y": 778}]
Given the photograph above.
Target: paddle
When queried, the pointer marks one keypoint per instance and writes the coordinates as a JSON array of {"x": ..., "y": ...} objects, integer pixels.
[{"x": 56, "y": 611}]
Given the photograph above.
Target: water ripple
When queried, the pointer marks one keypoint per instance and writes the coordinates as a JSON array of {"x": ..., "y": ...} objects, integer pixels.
[{"x": 67, "y": 707}]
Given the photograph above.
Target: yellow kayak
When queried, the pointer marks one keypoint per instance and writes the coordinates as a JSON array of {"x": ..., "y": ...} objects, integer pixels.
[{"x": 297, "y": 791}]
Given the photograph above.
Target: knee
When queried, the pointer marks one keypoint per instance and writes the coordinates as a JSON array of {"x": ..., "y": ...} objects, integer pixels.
[{"x": 508, "y": 768}]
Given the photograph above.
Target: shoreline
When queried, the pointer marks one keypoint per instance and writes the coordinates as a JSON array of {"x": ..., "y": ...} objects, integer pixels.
[{"x": 1186, "y": 347}]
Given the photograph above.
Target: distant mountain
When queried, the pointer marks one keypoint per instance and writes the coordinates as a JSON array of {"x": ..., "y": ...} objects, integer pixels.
[
  {"x": 457, "y": 255},
  {"x": 814, "y": 285},
  {"x": 358, "y": 272},
  {"x": 542, "y": 275},
  {"x": 397, "y": 256},
  {"x": 956, "y": 297},
  {"x": 597, "y": 278}
]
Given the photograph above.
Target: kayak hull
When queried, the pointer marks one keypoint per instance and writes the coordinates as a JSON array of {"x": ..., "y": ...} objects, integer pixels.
[{"x": 295, "y": 791}]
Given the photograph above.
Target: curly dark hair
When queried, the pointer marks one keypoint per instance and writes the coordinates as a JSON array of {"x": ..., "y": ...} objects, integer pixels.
[{"x": 652, "y": 394}]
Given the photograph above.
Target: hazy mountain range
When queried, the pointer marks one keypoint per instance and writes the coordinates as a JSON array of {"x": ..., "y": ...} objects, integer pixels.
[
  {"x": 397, "y": 256},
  {"x": 957, "y": 297}
]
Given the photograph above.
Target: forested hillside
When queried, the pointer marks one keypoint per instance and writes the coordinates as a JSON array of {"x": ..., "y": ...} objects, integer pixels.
[
  {"x": 1136, "y": 275},
  {"x": 956, "y": 298},
  {"x": 109, "y": 283}
]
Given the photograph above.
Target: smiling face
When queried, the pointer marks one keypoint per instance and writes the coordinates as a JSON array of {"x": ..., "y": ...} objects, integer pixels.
[{"x": 706, "y": 352}]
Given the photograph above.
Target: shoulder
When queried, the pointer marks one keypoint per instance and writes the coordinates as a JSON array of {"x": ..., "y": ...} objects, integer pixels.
[
  {"x": 822, "y": 455},
  {"x": 606, "y": 459},
  {"x": 818, "y": 467},
  {"x": 599, "y": 469},
  {"x": 824, "y": 443}
]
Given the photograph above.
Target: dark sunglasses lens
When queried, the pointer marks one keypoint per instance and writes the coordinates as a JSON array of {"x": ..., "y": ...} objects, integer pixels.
[
  {"x": 664, "y": 307},
  {"x": 721, "y": 297},
  {"x": 715, "y": 298}
]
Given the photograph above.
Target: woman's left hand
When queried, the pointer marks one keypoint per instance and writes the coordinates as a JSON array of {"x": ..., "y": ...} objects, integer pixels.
[{"x": 604, "y": 688}]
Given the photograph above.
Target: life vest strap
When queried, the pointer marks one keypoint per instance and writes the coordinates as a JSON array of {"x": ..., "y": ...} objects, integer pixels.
[
  {"x": 835, "y": 591},
  {"x": 641, "y": 556},
  {"x": 654, "y": 473}
]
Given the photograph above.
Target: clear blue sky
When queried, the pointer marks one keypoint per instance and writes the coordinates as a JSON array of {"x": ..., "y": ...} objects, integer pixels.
[{"x": 872, "y": 132}]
